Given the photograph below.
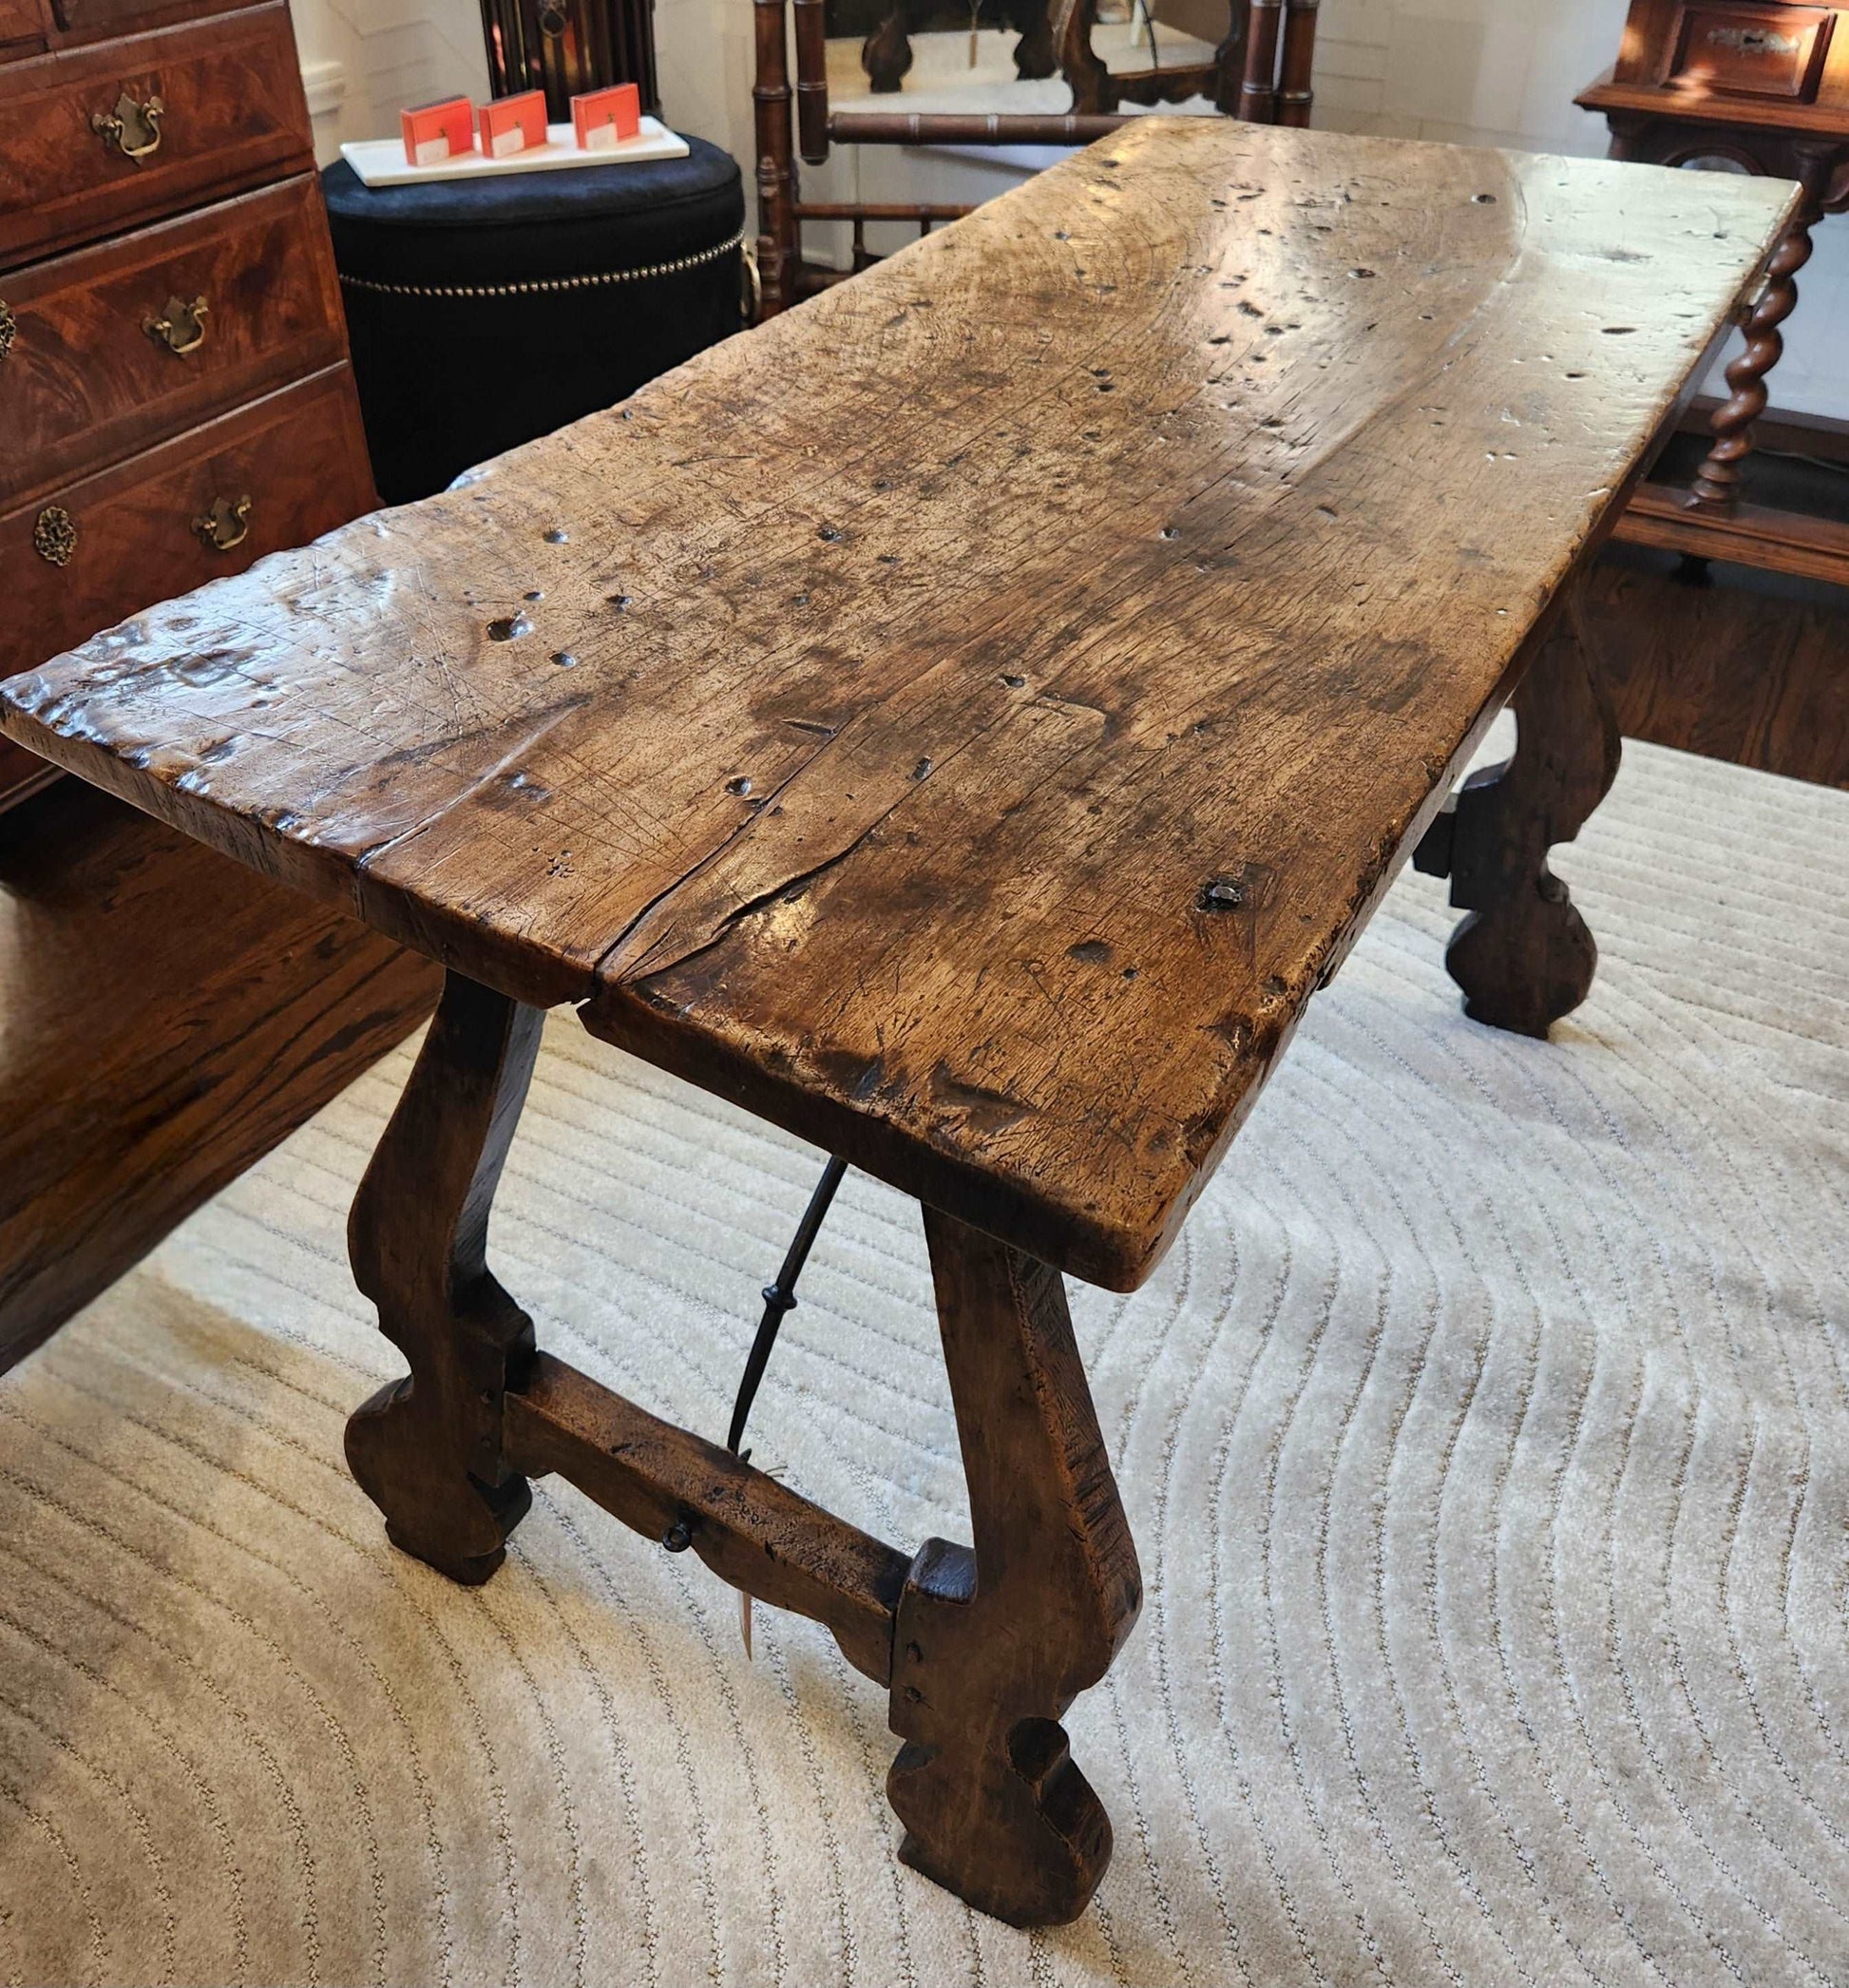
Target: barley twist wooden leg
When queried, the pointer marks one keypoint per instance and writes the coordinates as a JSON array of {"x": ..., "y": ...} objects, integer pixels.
[
  {"x": 1717, "y": 483},
  {"x": 1524, "y": 956},
  {"x": 990, "y": 1647},
  {"x": 427, "y": 1449}
]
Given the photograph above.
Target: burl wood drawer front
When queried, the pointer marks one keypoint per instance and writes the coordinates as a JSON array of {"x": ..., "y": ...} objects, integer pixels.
[
  {"x": 20, "y": 21},
  {"x": 1757, "y": 50},
  {"x": 119, "y": 346},
  {"x": 94, "y": 139},
  {"x": 273, "y": 474},
  {"x": 95, "y": 18}
]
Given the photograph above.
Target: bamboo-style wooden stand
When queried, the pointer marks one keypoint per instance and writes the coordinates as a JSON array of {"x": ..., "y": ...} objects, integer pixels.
[{"x": 1261, "y": 71}]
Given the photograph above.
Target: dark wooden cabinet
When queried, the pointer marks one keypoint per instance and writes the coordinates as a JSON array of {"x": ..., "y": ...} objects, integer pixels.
[
  {"x": 265, "y": 477},
  {"x": 175, "y": 402},
  {"x": 174, "y": 398},
  {"x": 229, "y": 301},
  {"x": 94, "y": 17},
  {"x": 231, "y": 115},
  {"x": 1771, "y": 50}
]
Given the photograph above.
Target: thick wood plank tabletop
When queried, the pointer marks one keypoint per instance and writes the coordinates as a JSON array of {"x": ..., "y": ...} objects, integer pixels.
[{"x": 967, "y": 718}]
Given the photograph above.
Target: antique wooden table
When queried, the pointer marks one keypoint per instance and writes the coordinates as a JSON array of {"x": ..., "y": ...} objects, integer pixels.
[{"x": 964, "y": 723}]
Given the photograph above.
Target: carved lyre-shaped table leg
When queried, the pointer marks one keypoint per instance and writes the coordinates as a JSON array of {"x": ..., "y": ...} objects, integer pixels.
[
  {"x": 427, "y": 1449},
  {"x": 1524, "y": 956},
  {"x": 991, "y": 1647},
  {"x": 983, "y": 1650}
]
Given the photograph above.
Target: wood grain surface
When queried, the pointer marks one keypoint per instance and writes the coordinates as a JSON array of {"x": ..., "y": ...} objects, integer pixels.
[
  {"x": 85, "y": 382},
  {"x": 965, "y": 720},
  {"x": 1732, "y": 663},
  {"x": 235, "y": 116},
  {"x": 299, "y": 455},
  {"x": 169, "y": 1020},
  {"x": 21, "y": 21}
]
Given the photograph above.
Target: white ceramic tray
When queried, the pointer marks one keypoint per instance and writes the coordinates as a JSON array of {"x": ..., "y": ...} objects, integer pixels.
[{"x": 380, "y": 161}]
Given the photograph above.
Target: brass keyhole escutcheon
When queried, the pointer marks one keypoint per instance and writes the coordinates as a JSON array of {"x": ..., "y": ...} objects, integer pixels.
[
  {"x": 225, "y": 527},
  {"x": 553, "y": 19},
  {"x": 132, "y": 128},
  {"x": 54, "y": 536},
  {"x": 182, "y": 328},
  {"x": 9, "y": 329}
]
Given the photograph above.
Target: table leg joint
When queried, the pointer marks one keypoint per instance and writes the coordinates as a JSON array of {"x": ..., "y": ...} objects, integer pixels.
[
  {"x": 751, "y": 1531},
  {"x": 981, "y": 1648}
]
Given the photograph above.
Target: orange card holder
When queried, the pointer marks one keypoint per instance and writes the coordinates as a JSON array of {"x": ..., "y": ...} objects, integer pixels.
[
  {"x": 434, "y": 132},
  {"x": 604, "y": 118}
]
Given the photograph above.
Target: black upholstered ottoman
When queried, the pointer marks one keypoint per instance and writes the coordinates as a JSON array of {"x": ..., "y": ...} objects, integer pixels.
[{"x": 487, "y": 312}]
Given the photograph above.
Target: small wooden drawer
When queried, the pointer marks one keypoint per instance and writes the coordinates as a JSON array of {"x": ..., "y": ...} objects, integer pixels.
[
  {"x": 99, "y": 138},
  {"x": 92, "y": 19},
  {"x": 116, "y": 347},
  {"x": 22, "y": 23},
  {"x": 29, "y": 26},
  {"x": 272, "y": 475},
  {"x": 1750, "y": 48}
]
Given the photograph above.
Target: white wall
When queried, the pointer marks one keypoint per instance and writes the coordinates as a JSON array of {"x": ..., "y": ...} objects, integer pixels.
[
  {"x": 1465, "y": 71},
  {"x": 1469, "y": 71},
  {"x": 364, "y": 60},
  {"x": 1503, "y": 72}
]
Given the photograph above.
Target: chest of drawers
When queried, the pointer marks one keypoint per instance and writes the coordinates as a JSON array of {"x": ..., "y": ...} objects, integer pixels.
[{"x": 175, "y": 397}]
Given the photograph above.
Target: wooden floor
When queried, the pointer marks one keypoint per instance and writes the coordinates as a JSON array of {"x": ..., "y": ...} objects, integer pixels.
[
  {"x": 165, "y": 1019},
  {"x": 1741, "y": 665}
]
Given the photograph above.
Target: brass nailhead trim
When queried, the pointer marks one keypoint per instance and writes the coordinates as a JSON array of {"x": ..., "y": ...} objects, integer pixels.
[{"x": 542, "y": 284}]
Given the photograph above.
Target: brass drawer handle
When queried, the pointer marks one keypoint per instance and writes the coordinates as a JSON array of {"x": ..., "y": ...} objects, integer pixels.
[
  {"x": 225, "y": 527},
  {"x": 9, "y": 329},
  {"x": 182, "y": 330},
  {"x": 54, "y": 537},
  {"x": 133, "y": 129}
]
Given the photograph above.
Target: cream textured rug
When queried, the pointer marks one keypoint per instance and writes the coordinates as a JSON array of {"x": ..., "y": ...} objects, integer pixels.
[{"x": 1486, "y": 1439}]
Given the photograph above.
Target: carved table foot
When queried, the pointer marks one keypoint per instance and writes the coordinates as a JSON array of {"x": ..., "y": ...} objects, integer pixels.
[
  {"x": 1524, "y": 957},
  {"x": 427, "y": 1449},
  {"x": 990, "y": 1647}
]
